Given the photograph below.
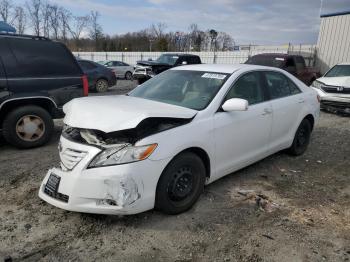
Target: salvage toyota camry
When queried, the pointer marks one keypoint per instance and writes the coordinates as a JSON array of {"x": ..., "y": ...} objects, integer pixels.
[{"x": 159, "y": 145}]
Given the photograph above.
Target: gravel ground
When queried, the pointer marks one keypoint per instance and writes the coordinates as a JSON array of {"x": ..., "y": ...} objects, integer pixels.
[{"x": 280, "y": 209}]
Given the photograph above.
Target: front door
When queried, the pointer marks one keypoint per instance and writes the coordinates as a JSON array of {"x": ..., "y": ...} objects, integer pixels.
[{"x": 242, "y": 137}]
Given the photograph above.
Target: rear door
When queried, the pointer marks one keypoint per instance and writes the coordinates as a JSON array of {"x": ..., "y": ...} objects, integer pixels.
[
  {"x": 287, "y": 101},
  {"x": 42, "y": 68}
]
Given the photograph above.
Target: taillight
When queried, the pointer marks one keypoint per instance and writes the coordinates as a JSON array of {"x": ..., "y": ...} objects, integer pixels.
[
  {"x": 85, "y": 85},
  {"x": 318, "y": 98}
]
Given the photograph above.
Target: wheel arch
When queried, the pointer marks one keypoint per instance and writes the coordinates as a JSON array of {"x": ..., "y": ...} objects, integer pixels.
[
  {"x": 202, "y": 154},
  {"x": 44, "y": 102},
  {"x": 311, "y": 119}
]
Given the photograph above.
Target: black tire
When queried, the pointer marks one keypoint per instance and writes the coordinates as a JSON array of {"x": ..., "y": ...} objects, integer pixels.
[
  {"x": 180, "y": 184},
  {"x": 141, "y": 81},
  {"x": 128, "y": 75},
  {"x": 15, "y": 121},
  {"x": 101, "y": 86},
  {"x": 301, "y": 139}
]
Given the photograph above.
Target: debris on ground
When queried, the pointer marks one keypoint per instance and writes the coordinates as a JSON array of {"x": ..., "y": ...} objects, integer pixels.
[{"x": 263, "y": 202}]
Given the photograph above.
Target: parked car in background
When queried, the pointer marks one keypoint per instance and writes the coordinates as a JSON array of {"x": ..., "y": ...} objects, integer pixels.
[
  {"x": 37, "y": 77},
  {"x": 294, "y": 64},
  {"x": 334, "y": 89},
  {"x": 192, "y": 125},
  {"x": 100, "y": 78},
  {"x": 120, "y": 69},
  {"x": 145, "y": 70}
]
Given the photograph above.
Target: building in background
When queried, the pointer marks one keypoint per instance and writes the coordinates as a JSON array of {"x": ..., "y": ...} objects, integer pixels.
[{"x": 333, "y": 45}]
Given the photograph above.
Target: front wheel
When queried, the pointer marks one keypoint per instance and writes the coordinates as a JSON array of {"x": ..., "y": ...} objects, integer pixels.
[
  {"x": 28, "y": 126},
  {"x": 301, "y": 139},
  {"x": 180, "y": 184}
]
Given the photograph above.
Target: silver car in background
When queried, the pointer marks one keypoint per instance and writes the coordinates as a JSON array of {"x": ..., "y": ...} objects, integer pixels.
[{"x": 121, "y": 69}]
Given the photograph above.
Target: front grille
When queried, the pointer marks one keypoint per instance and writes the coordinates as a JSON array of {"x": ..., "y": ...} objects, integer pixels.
[
  {"x": 71, "y": 157},
  {"x": 336, "y": 89},
  {"x": 59, "y": 196}
]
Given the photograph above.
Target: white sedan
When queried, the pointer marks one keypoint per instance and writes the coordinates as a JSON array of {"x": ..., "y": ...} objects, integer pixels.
[
  {"x": 334, "y": 88},
  {"x": 159, "y": 145}
]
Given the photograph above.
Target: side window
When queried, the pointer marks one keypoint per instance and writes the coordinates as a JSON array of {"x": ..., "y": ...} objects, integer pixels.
[
  {"x": 247, "y": 87},
  {"x": 125, "y": 64},
  {"x": 290, "y": 62},
  {"x": 294, "y": 89},
  {"x": 299, "y": 63},
  {"x": 109, "y": 64},
  {"x": 279, "y": 85},
  {"x": 40, "y": 58}
]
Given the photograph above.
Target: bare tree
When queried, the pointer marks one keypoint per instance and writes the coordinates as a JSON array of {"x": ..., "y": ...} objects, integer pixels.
[
  {"x": 54, "y": 20},
  {"x": 65, "y": 17},
  {"x": 157, "y": 30},
  {"x": 79, "y": 24},
  {"x": 5, "y": 10},
  {"x": 20, "y": 20},
  {"x": 34, "y": 8},
  {"x": 96, "y": 30},
  {"x": 46, "y": 18}
]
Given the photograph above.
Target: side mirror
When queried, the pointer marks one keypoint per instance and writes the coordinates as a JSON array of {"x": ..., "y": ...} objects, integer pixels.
[
  {"x": 184, "y": 63},
  {"x": 235, "y": 104}
]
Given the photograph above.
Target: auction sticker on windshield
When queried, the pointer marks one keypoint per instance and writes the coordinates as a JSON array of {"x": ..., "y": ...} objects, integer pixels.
[{"x": 212, "y": 75}]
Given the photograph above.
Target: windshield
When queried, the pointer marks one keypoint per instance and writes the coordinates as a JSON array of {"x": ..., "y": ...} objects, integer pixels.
[
  {"x": 339, "y": 70},
  {"x": 266, "y": 61},
  {"x": 167, "y": 59},
  {"x": 191, "y": 89}
]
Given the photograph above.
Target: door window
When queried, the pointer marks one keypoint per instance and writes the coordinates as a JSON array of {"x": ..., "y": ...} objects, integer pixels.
[
  {"x": 248, "y": 87},
  {"x": 279, "y": 85}
]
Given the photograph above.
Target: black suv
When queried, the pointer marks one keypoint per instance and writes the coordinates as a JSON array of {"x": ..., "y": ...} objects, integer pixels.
[
  {"x": 145, "y": 70},
  {"x": 37, "y": 77}
]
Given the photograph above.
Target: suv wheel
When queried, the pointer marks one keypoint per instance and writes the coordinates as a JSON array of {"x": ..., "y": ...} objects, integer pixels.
[
  {"x": 101, "y": 85},
  {"x": 27, "y": 127},
  {"x": 180, "y": 184},
  {"x": 128, "y": 75}
]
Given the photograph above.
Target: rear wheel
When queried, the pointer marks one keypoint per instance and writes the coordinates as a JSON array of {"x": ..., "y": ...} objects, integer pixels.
[
  {"x": 301, "y": 138},
  {"x": 27, "y": 127},
  {"x": 101, "y": 85},
  {"x": 180, "y": 184},
  {"x": 128, "y": 76}
]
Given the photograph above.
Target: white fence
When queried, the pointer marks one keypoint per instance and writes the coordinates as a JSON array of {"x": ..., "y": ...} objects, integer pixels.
[{"x": 228, "y": 57}]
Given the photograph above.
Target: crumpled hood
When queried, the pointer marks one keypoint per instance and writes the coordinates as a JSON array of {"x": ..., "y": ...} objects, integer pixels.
[
  {"x": 335, "y": 81},
  {"x": 120, "y": 112}
]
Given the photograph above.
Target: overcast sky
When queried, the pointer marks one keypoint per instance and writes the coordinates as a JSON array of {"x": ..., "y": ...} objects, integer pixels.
[{"x": 248, "y": 21}]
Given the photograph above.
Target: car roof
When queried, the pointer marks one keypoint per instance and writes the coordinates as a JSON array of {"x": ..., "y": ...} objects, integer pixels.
[
  {"x": 344, "y": 63},
  {"x": 223, "y": 68},
  {"x": 176, "y": 54},
  {"x": 275, "y": 55}
]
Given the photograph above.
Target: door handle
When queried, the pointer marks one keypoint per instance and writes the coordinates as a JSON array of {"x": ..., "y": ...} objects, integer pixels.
[
  {"x": 267, "y": 111},
  {"x": 301, "y": 100}
]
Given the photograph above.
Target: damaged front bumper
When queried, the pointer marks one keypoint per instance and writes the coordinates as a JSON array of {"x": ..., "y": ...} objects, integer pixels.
[
  {"x": 120, "y": 189},
  {"x": 335, "y": 103}
]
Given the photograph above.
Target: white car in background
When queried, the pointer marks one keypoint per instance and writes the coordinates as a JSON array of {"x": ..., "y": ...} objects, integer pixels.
[
  {"x": 334, "y": 88},
  {"x": 121, "y": 69},
  {"x": 157, "y": 146}
]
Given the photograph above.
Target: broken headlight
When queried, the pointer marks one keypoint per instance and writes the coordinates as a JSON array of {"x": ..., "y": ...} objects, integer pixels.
[
  {"x": 316, "y": 84},
  {"x": 122, "y": 154}
]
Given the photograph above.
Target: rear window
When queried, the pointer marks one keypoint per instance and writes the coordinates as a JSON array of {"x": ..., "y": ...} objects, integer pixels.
[
  {"x": 85, "y": 65},
  {"x": 266, "y": 61},
  {"x": 39, "y": 58}
]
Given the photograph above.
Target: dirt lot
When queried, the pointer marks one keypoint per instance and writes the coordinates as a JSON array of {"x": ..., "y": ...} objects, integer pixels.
[{"x": 298, "y": 210}]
